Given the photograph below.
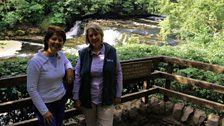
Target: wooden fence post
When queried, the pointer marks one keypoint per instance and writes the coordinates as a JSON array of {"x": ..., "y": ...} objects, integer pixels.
[{"x": 169, "y": 69}]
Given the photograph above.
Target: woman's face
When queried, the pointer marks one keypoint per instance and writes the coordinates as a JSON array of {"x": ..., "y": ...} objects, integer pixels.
[
  {"x": 55, "y": 43},
  {"x": 95, "y": 38}
]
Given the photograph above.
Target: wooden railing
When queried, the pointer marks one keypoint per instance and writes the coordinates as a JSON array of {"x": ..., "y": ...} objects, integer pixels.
[{"x": 138, "y": 70}]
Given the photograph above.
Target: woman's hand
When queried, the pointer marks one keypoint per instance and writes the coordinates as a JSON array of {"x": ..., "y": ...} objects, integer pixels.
[
  {"x": 48, "y": 118},
  {"x": 117, "y": 100},
  {"x": 77, "y": 104}
]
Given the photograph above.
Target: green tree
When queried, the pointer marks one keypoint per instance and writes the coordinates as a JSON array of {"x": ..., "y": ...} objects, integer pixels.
[{"x": 200, "y": 20}]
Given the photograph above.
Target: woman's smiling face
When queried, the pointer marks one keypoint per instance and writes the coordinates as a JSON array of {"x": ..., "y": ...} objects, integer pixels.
[
  {"x": 55, "y": 43},
  {"x": 94, "y": 38}
]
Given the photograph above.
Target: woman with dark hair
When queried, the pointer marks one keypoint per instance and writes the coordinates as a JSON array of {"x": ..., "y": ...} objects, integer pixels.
[
  {"x": 45, "y": 74},
  {"x": 98, "y": 80}
]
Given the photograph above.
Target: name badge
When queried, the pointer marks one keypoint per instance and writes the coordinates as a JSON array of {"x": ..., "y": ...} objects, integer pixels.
[{"x": 109, "y": 60}]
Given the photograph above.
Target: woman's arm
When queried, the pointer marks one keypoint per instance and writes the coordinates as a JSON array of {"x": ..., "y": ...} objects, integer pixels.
[
  {"x": 33, "y": 74},
  {"x": 69, "y": 71},
  {"x": 76, "y": 86}
]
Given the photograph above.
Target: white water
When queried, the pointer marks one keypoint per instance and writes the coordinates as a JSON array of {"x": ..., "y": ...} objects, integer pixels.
[
  {"x": 111, "y": 36},
  {"x": 74, "y": 30},
  {"x": 10, "y": 48}
]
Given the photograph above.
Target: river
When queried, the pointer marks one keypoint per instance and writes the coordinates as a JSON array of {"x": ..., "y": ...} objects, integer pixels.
[{"x": 116, "y": 32}]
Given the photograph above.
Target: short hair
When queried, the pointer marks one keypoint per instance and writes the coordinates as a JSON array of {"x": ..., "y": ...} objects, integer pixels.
[
  {"x": 50, "y": 32},
  {"x": 96, "y": 28}
]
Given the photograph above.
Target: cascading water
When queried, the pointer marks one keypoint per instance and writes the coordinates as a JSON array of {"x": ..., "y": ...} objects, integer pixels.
[{"x": 74, "y": 31}]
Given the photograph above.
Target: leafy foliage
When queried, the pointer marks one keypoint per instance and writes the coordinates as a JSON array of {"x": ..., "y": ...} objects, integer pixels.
[
  {"x": 200, "y": 21},
  {"x": 34, "y": 12},
  {"x": 20, "y": 11},
  {"x": 13, "y": 68}
]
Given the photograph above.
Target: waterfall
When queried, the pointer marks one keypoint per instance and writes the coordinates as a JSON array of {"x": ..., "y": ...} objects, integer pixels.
[
  {"x": 74, "y": 30},
  {"x": 111, "y": 36}
]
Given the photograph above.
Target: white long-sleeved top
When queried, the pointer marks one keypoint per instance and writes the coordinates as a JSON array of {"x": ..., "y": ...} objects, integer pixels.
[{"x": 45, "y": 81}]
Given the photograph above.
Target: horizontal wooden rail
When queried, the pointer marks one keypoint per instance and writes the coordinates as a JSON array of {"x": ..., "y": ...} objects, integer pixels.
[
  {"x": 13, "y": 81},
  {"x": 16, "y": 104},
  {"x": 195, "y": 64},
  {"x": 29, "y": 122},
  {"x": 155, "y": 75},
  {"x": 199, "y": 101},
  {"x": 21, "y": 103},
  {"x": 34, "y": 122},
  {"x": 155, "y": 59},
  {"x": 139, "y": 94},
  {"x": 193, "y": 82}
]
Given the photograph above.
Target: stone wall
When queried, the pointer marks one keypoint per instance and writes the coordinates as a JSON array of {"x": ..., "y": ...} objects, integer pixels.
[{"x": 156, "y": 113}]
